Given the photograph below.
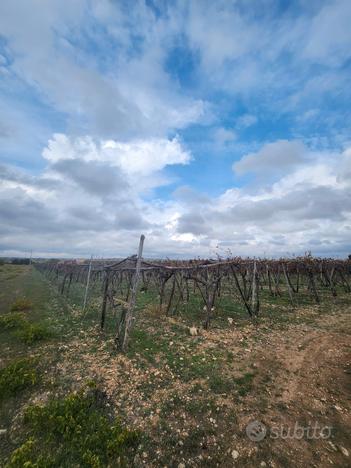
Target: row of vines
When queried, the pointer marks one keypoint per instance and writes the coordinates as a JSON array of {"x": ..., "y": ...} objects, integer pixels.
[{"x": 174, "y": 282}]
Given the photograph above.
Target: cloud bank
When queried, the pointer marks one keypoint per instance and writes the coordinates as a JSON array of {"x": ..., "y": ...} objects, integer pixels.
[{"x": 199, "y": 124}]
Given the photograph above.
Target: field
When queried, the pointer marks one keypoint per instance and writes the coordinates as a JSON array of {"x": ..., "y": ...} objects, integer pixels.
[{"x": 69, "y": 398}]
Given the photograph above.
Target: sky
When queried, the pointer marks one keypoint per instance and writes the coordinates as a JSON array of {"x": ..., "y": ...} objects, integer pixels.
[{"x": 212, "y": 127}]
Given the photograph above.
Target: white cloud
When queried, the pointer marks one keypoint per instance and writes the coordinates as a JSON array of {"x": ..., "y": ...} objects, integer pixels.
[
  {"x": 329, "y": 37},
  {"x": 139, "y": 162},
  {"x": 245, "y": 121},
  {"x": 133, "y": 97},
  {"x": 272, "y": 157},
  {"x": 224, "y": 135},
  {"x": 92, "y": 204}
]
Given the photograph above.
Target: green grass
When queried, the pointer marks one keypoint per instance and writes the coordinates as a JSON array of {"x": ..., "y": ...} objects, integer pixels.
[
  {"x": 219, "y": 384},
  {"x": 17, "y": 376},
  {"x": 74, "y": 431},
  {"x": 31, "y": 333},
  {"x": 23, "y": 329},
  {"x": 244, "y": 384},
  {"x": 12, "y": 321}
]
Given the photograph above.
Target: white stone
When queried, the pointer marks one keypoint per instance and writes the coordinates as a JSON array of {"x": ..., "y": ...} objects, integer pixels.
[
  {"x": 332, "y": 445},
  {"x": 193, "y": 331},
  {"x": 344, "y": 451},
  {"x": 235, "y": 454}
]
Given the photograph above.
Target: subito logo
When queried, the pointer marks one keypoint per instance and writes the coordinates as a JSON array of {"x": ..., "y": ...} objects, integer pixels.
[{"x": 256, "y": 431}]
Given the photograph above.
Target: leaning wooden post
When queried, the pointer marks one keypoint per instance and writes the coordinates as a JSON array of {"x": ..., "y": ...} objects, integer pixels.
[
  {"x": 87, "y": 285},
  {"x": 131, "y": 304}
]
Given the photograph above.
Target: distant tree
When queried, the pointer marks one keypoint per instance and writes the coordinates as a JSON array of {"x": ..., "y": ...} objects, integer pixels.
[{"x": 20, "y": 261}]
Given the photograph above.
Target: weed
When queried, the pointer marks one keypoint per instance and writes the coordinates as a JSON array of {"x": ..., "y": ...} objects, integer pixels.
[
  {"x": 31, "y": 333},
  {"x": 220, "y": 384},
  {"x": 244, "y": 384},
  {"x": 200, "y": 406},
  {"x": 27, "y": 332},
  {"x": 12, "y": 321},
  {"x": 74, "y": 431},
  {"x": 192, "y": 367},
  {"x": 21, "y": 305},
  {"x": 17, "y": 376}
]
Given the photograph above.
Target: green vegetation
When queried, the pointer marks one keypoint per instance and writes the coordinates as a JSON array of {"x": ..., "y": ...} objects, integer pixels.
[
  {"x": 18, "y": 376},
  {"x": 12, "y": 321},
  {"x": 244, "y": 384},
  {"x": 31, "y": 333},
  {"x": 21, "y": 304},
  {"x": 219, "y": 384},
  {"x": 24, "y": 330},
  {"x": 74, "y": 431}
]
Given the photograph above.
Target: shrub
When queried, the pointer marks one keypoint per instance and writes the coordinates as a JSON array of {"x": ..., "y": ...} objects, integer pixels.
[
  {"x": 30, "y": 333},
  {"x": 17, "y": 376},
  {"x": 27, "y": 332},
  {"x": 74, "y": 431},
  {"x": 21, "y": 304},
  {"x": 12, "y": 321}
]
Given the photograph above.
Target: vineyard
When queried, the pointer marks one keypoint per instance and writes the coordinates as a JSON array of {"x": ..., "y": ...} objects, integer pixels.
[
  {"x": 149, "y": 363},
  {"x": 210, "y": 286}
]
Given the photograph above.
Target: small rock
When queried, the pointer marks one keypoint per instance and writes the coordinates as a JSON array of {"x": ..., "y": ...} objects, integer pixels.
[
  {"x": 193, "y": 331},
  {"x": 230, "y": 320},
  {"x": 181, "y": 465},
  {"x": 332, "y": 445},
  {"x": 235, "y": 454},
  {"x": 338, "y": 408},
  {"x": 263, "y": 464},
  {"x": 344, "y": 451},
  {"x": 3, "y": 431}
]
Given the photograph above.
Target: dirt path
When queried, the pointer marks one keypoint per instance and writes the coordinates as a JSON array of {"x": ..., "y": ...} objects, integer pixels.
[{"x": 310, "y": 387}]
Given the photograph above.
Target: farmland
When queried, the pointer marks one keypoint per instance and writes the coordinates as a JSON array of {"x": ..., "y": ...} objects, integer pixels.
[{"x": 172, "y": 398}]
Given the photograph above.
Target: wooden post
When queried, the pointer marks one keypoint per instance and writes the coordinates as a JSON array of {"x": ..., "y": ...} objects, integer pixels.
[
  {"x": 104, "y": 301},
  {"x": 87, "y": 285},
  {"x": 254, "y": 292},
  {"x": 288, "y": 285},
  {"x": 131, "y": 304}
]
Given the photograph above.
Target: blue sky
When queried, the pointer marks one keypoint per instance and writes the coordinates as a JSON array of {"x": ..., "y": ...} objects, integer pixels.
[{"x": 213, "y": 127}]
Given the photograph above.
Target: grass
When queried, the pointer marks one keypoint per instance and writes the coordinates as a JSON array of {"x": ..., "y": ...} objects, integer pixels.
[
  {"x": 74, "y": 431},
  {"x": 219, "y": 384},
  {"x": 17, "y": 376},
  {"x": 12, "y": 321},
  {"x": 244, "y": 384},
  {"x": 31, "y": 333},
  {"x": 24, "y": 330}
]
